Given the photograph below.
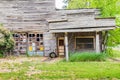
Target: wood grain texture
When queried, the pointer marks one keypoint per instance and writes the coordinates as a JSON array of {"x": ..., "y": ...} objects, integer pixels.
[
  {"x": 26, "y": 14},
  {"x": 81, "y": 20}
]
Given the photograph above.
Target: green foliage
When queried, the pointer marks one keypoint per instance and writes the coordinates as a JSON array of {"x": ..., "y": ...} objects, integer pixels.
[
  {"x": 1, "y": 55},
  {"x": 114, "y": 37},
  {"x": 87, "y": 56},
  {"x": 108, "y": 7},
  {"x": 116, "y": 53},
  {"x": 109, "y": 52},
  {"x": 118, "y": 20},
  {"x": 76, "y": 4},
  {"x": 27, "y": 53},
  {"x": 6, "y": 40}
]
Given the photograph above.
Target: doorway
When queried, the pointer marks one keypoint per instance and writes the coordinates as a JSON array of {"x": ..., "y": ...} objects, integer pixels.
[{"x": 61, "y": 47}]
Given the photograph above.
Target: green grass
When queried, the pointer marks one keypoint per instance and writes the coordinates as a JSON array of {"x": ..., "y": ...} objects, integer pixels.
[
  {"x": 37, "y": 70},
  {"x": 87, "y": 56}
]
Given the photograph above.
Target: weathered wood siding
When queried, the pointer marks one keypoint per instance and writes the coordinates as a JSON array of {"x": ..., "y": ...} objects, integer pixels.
[
  {"x": 81, "y": 19},
  {"x": 85, "y": 23},
  {"x": 26, "y": 14},
  {"x": 49, "y": 43}
]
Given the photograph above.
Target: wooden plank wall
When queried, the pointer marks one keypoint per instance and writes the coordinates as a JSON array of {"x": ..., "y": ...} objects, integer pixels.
[
  {"x": 82, "y": 20},
  {"x": 49, "y": 43},
  {"x": 26, "y": 14}
]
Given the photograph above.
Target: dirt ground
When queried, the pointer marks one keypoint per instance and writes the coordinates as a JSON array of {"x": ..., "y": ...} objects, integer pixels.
[
  {"x": 5, "y": 62},
  {"x": 20, "y": 59}
]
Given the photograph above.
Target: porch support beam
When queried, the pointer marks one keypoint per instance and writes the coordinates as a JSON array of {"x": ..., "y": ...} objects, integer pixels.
[
  {"x": 97, "y": 42},
  {"x": 66, "y": 46}
]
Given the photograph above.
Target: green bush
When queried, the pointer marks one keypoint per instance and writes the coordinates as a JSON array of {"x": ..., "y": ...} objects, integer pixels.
[
  {"x": 87, "y": 56},
  {"x": 109, "y": 52},
  {"x": 6, "y": 40},
  {"x": 1, "y": 55}
]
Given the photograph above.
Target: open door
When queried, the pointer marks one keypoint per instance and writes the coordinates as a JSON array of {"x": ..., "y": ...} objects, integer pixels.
[{"x": 61, "y": 47}]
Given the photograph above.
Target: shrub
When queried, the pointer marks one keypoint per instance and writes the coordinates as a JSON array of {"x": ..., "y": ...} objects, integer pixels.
[
  {"x": 1, "y": 55},
  {"x": 6, "y": 41},
  {"x": 109, "y": 52},
  {"x": 87, "y": 56}
]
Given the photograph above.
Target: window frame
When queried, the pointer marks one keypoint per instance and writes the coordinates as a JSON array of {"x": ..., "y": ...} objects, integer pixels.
[{"x": 86, "y": 37}]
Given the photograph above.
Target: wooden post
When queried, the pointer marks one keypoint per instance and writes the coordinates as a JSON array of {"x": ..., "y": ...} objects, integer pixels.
[
  {"x": 97, "y": 43},
  {"x": 66, "y": 46},
  {"x": 27, "y": 42}
]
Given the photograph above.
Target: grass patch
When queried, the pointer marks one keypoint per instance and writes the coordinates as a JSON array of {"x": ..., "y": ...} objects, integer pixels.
[
  {"x": 37, "y": 70},
  {"x": 76, "y": 70},
  {"x": 87, "y": 56}
]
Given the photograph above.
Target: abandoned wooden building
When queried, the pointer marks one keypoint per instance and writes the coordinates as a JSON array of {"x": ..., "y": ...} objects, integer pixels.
[{"x": 39, "y": 28}]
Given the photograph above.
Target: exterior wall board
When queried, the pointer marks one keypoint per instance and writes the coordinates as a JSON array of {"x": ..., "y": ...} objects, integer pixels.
[
  {"x": 49, "y": 43},
  {"x": 21, "y": 13}
]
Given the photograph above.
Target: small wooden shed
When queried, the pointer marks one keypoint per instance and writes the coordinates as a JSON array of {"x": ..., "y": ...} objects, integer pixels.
[{"x": 38, "y": 28}]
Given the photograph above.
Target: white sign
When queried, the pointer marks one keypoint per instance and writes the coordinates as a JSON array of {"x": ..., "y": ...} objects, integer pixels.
[{"x": 33, "y": 44}]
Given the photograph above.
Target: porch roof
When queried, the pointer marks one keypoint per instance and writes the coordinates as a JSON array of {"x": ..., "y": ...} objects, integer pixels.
[
  {"x": 80, "y": 21},
  {"x": 81, "y": 30}
]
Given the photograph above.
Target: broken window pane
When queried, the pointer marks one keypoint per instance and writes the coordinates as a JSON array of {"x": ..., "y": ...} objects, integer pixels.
[
  {"x": 37, "y": 35},
  {"x": 41, "y": 35},
  {"x": 29, "y": 35},
  {"x": 37, "y": 39}
]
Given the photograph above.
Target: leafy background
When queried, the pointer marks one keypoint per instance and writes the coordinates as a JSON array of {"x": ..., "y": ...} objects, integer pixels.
[{"x": 109, "y": 8}]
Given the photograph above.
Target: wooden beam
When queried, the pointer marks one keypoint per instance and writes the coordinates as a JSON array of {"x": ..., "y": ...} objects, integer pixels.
[
  {"x": 81, "y": 30},
  {"x": 77, "y": 11},
  {"x": 97, "y": 42},
  {"x": 66, "y": 47}
]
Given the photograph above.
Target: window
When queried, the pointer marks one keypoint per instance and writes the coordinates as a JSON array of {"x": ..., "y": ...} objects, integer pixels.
[
  {"x": 20, "y": 42},
  {"x": 84, "y": 43},
  {"x": 37, "y": 40}
]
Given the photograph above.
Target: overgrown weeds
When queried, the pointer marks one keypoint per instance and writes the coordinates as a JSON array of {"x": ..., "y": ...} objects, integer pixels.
[{"x": 87, "y": 56}]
